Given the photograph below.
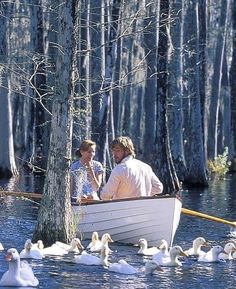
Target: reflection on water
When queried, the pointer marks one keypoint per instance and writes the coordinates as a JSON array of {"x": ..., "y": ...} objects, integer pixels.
[
  {"x": 23, "y": 183},
  {"x": 18, "y": 218}
]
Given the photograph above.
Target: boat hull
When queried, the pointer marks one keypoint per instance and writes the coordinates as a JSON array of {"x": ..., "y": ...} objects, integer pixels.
[{"x": 129, "y": 220}]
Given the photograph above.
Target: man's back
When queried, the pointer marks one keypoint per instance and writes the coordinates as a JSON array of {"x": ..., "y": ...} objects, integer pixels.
[{"x": 129, "y": 179}]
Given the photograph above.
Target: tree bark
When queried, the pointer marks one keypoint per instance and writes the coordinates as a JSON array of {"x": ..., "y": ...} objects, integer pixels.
[
  {"x": 55, "y": 218},
  {"x": 232, "y": 78},
  {"x": 175, "y": 88},
  {"x": 150, "y": 105},
  {"x": 164, "y": 161},
  {"x": 7, "y": 156},
  {"x": 196, "y": 158},
  {"x": 216, "y": 83}
]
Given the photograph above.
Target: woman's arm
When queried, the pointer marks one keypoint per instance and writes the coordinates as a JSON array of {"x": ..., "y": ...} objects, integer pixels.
[{"x": 96, "y": 179}]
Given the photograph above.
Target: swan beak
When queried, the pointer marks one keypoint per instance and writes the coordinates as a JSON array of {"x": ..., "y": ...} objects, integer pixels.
[
  {"x": 8, "y": 257},
  {"x": 183, "y": 254},
  {"x": 205, "y": 244},
  {"x": 234, "y": 249},
  {"x": 80, "y": 246},
  {"x": 110, "y": 239},
  {"x": 158, "y": 268}
]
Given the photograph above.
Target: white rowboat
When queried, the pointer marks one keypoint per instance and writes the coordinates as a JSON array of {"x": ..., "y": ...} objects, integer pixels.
[{"x": 128, "y": 220}]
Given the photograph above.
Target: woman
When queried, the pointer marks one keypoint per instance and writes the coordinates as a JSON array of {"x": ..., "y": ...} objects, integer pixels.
[{"x": 86, "y": 173}]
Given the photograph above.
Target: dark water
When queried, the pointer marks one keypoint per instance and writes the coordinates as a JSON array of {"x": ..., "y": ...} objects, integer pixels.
[{"x": 18, "y": 217}]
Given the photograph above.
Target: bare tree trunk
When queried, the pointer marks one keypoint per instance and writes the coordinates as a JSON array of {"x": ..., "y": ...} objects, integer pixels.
[
  {"x": 7, "y": 156},
  {"x": 216, "y": 83},
  {"x": 202, "y": 19},
  {"x": 175, "y": 91},
  {"x": 38, "y": 80},
  {"x": 196, "y": 164},
  {"x": 55, "y": 218},
  {"x": 21, "y": 92},
  {"x": 128, "y": 19},
  {"x": 150, "y": 105},
  {"x": 101, "y": 76},
  {"x": 232, "y": 79},
  {"x": 165, "y": 166},
  {"x": 224, "y": 135},
  {"x": 85, "y": 97}
]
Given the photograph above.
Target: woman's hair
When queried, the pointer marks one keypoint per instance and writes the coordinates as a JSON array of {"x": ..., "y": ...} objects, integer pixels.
[
  {"x": 84, "y": 146},
  {"x": 126, "y": 143}
]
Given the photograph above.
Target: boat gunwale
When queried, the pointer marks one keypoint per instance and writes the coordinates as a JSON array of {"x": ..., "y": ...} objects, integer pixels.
[{"x": 95, "y": 202}]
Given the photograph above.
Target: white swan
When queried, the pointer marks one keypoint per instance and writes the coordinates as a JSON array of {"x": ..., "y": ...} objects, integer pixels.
[
  {"x": 75, "y": 246},
  {"x": 151, "y": 266},
  {"x": 31, "y": 252},
  {"x": 19, "y": 274},
  {"x": 195, "y": 250},
  {"x": 99, "y": 243},
  {"x": 54, "y": 250},
  {"x": 39, "y": 245},
  {"x": 212, "y": 255},
  {"x": 94, "y": 241},
  {"x": 58, "y": 248},
  {"x": 172, "y": 260},
  {"x": 1, "y": 247},
  {"x": 229, "y": 248},
  {"x": 163, "y": 256},
  {"x": 88, "y": 259},
  {"x": 122, "y": 267},
  {"x": 144, "y": 250}
]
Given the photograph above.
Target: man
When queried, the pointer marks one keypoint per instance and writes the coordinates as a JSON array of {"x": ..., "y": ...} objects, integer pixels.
[{"x": 130, "y": 178}]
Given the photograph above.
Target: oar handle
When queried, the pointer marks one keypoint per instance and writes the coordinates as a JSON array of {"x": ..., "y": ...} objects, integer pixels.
[{"x": 205, "y": 216}]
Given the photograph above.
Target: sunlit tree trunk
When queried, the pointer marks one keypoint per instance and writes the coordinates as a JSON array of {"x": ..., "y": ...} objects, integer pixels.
[
  {"x": 216, "y": 83},
  {"x": 224, "y": 135},
  {"x": 55, "y": 218},
  {"x": 7, "y": 155},
  {"x": 19, "y": 64}
]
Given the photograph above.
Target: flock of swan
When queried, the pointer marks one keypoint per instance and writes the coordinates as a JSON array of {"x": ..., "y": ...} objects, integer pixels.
[{"x": 20, "y": 273}]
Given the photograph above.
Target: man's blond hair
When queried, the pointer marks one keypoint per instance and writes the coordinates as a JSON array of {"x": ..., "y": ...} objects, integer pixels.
[{"x": 126, "y": 143}]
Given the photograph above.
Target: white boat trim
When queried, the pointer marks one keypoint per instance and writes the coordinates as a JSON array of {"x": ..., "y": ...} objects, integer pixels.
[{"x": 128, "y": 220}]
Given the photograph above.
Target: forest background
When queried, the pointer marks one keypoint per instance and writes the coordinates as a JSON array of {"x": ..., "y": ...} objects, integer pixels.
[{"x": 162, "y": 72}]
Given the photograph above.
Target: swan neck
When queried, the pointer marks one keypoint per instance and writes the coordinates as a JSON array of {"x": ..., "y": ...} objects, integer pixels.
[{"x": 14, "y": 267}]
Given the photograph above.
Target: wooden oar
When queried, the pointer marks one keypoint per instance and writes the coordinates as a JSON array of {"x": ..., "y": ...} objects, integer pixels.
[
  {"x": 183, "y": 210},
  {"x": 21, "y": 194},
  {"x": 208, "y": 217}
]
